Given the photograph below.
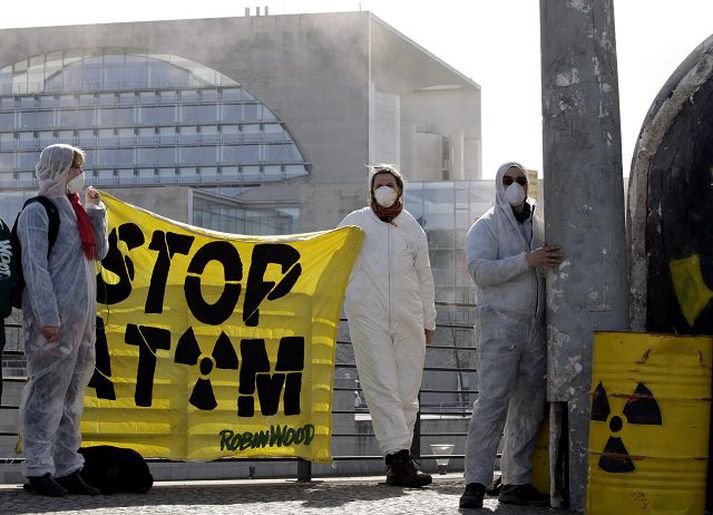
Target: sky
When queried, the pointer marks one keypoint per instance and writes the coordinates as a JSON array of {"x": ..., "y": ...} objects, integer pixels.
[{"x": 494, "y": 42}]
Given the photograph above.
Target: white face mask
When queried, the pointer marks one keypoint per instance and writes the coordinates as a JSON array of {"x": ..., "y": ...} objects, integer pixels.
[
  {"x": 385, "y": 196},
  {"x": 515, "y": 194},
  {"x": 76, "y": 184}
]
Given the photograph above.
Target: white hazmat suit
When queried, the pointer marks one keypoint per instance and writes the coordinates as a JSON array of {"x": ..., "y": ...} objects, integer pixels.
[
  {"x": 389, "y": 302},
  {"x": 60, "y": 291},
  {"x": 510, "y": 336}
]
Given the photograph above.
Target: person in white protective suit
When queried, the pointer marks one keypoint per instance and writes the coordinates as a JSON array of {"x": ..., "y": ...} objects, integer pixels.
[
  {"x": 391, "y": 313},
  {"x": 59, "y": 317},
  {"x": 505, "y": 257}
]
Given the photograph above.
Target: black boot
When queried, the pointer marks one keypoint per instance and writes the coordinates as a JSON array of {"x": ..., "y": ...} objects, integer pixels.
[
  {"x": 44, "y": 485},
  {"x": 401, "y": 471},
  {"x": 472, "y": 498},
  {"x": 76, "y": 485},
  {"x": 523, "y": 495}
]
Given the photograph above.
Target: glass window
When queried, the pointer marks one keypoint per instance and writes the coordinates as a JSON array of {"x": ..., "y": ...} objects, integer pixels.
[
  {"x": 147, "y": 97},
  {"x": 167, "y": 96},
  {"x": 7, "y": 160},
  {"x": 47, "y": 101},
  {"x": 27, "y": 139},
  {"x": 251, "y": 133},
  {"x": 127, "y": 98},
  {"x": 209, "y": 134},
  {"x": 87, "y": 100},
  {"x": 167, "y": 172},
  {"x": 7, "y": 141},
  {"x": 187, "y": 135},
  {"x": 67, "y": 100},
  {"x": 197, "y": 155},
  {"x": 165, "y": 114},
  {"x": 232, "y": 94},
  {"x": 147, "y": 135},
  {"x": 7, "y": 120},
  {"x": 199, "y": 113},
  {"x": 209, "y": 95},
  {"x": 7, "y": 102},
  {"x": 250, "y": 112},
  {"x": 126, "y": 136},
  {"x": 76, "y": 118},
  {"x": 166, "y": 155},
  {"x": 106, "y": 137},
  {"x": 167, "y": 134},
  {"x": 28, "y": 102},
  {"x": 265, "y": 114},
  {"x": 231, "y": 113},
  {"x": 86, "y": 138},
  {"x": 230, "y": 133},
  {"x": 272, "y": 170},
  {"x": 118, "y": 116},
  {"x": 45, "y": 138},
  {"x": 241, "y": 153},
  {"x": 272, "y": 132},
  {"x": 146, "y": 156},
  {"x": 27, "y": 159},
  {"x": 107, "y": 99},
  {"x": 66, "y": 136},
  {"x": 189, "y": 95}
]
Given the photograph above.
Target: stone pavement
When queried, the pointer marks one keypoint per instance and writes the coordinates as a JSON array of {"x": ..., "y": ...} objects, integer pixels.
[{"x": 323, "y": 496}]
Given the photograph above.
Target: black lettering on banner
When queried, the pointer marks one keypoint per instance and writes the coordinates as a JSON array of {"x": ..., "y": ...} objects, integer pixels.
[
  {"x": 255, "y": 360},
  {"x": 258, "y": 288},
  {"x": 227, "y": 255},
  {"x": 119, "y": 264},
  {"x": 269, "y": 388},
  {"x": 149, "y": 340},
  {"x": 167, "y": 244},
  {"x": 255, "y": 371},
  {"x": 291, "y": 358},
  {"x": 101, "y": 379}
]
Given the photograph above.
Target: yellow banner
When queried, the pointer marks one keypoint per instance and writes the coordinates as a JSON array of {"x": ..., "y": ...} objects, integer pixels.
[{"x": 213, "y": 345}]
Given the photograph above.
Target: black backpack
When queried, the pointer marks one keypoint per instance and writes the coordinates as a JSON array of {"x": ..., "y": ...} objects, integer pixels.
[
  {"x": 8, "y": 273},
  {"x": 115, "y": 470},
  {"x": 53, "y": 230}
]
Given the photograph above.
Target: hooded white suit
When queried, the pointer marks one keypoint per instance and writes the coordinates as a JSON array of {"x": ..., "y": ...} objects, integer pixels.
[
  {"x": 510, "y": 337},
  {"x": 389, "y": 302},
  {"x": 60, "y": 291}
]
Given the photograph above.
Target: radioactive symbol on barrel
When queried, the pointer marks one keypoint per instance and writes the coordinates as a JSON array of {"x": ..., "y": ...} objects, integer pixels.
[
  {"x": 641, "y": 408},
  {"x": 223, "y": 356}
]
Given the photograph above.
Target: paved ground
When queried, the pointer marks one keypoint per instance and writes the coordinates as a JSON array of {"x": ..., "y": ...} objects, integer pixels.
[{"x": 341, "y": 496}]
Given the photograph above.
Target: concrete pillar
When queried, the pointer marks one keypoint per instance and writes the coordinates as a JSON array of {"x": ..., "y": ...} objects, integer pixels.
[{"x": 584, "y": 206}]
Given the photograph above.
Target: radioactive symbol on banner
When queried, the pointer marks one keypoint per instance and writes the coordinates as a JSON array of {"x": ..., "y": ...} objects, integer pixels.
[
  {"x": 189, "y": 353},
  {"x": 640, "y": 409}
]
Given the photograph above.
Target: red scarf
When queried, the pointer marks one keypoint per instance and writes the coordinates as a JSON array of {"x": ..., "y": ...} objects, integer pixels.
[
  {"x": 86, "y": 230},
  {"x": 387, "y": 214}
]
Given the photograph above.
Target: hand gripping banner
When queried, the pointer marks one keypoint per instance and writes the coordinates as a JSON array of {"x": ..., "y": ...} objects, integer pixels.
[{"x": 213, "y": 345}]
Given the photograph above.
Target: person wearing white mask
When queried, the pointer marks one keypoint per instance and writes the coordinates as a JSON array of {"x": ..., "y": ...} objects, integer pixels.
[
  {"x": 59, "y": 317},
  {"x": 505, "y": 256},
  {"x": 391, "y": 312}
]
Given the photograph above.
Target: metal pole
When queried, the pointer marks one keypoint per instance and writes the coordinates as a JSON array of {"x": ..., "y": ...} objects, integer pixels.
[
  {"x": 584, "y": 206},
  {"x": 304, "y": 470}
]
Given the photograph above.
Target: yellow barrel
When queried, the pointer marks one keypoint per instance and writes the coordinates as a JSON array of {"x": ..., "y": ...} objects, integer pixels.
[
  {"x": 650, "y": 421},
  {"x": 540, "y": 458}
]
